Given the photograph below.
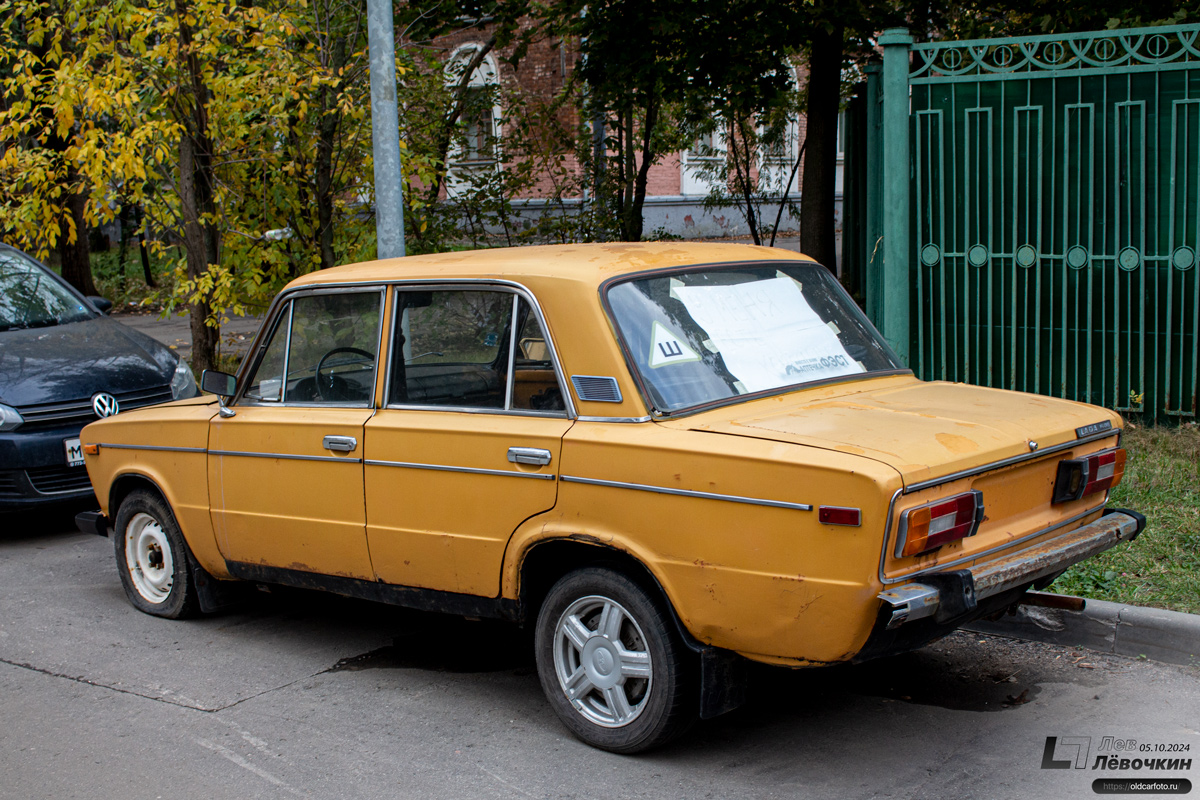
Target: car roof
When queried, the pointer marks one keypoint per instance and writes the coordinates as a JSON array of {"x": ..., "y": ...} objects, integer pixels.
[{"x": 585, "y": 263}]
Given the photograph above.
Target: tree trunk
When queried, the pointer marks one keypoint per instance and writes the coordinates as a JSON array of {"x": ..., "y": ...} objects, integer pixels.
[
  {"x": 142, "y": 249},
  {"x": 197, "y": 206},
  {"x": 820, "y": 159},
  {"x": 633, "y": 223},
  {"x": 76, "y": 267},
  {"x": 740, "y": 148}
]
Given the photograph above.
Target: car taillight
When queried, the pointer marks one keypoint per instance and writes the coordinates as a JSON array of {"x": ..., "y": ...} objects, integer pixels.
[
  {"x": 1079, "y": 477},
  {"x": 930, "y": 526}
]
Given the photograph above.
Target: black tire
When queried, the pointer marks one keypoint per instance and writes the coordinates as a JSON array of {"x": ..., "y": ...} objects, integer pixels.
[
  {"x": 153, "y": 558},
  {"x": 622, "y": 713}
]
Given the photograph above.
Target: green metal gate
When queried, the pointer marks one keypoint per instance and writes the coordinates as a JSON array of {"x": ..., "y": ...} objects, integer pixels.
[{"x": 1054, "y": 214}]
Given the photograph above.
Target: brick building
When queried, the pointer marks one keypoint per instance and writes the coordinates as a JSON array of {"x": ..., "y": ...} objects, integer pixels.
[{"x": 677, "y": 185}]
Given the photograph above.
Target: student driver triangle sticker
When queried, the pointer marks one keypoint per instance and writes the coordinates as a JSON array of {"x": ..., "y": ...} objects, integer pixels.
[{"x": 667, "y": 348}]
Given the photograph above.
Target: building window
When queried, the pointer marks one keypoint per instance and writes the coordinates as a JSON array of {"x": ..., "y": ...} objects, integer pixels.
[
  {"x": 478, "y": 125},
  {"x": 702, "y": 165},
  {"x": 474, "y": 152}
]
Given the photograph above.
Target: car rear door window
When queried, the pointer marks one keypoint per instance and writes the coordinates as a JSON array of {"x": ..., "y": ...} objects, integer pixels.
[
  {"x": 456, "y": 348},
  {"x": 451, "y": 348}
]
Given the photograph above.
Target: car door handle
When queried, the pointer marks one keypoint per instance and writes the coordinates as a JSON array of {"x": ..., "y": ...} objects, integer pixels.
[
  {"x": 342, "y": 444},
  {"x": 529, "y": 455}
]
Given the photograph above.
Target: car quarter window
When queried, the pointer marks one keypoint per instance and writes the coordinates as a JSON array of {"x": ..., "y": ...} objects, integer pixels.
[
  {"x": 323, "y": 352},
  {"x": 456, "y": 348},
  {"x": 267, "y": 383},
  {"x": 535, "y": 384}
]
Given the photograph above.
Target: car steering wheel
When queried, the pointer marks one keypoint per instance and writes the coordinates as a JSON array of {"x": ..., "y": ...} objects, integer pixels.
[{"x": 336, "y": 386}]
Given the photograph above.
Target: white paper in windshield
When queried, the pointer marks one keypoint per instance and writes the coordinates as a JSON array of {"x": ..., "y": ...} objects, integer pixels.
[{"x": 767, "y": 333}]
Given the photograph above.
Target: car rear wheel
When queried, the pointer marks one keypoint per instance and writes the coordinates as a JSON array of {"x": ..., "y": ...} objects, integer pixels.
[
  {"x": 152, "y": 557},
  {"x": 611, "y": 664}
]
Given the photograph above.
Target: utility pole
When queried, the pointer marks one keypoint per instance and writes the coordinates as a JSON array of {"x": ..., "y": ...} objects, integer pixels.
[{"x": 385, "y": 131}]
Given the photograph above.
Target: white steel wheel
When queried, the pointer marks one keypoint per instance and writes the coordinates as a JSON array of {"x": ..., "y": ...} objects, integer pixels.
[
  {"x": 149, "y": 559},
  {"x": 603, "y": 664},
  {"x": 153, "y": 558},
  {"x": 611, "y": 662}
]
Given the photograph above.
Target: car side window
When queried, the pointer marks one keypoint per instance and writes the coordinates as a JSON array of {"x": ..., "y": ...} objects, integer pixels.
[
  {"x": 267, "y": 384},
  {"x": 322, "y": 352},
  {"x": 451, "y": 348},
  {"x": 535, "y": 384},
  {"x": 455, "y": 348}
]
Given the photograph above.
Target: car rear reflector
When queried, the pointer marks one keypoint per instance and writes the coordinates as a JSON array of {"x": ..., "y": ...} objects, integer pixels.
[
  {"x": 1079, "y": 477},
  {"x": 837, "y": 515},
  {"x": 930, "y": 526}
]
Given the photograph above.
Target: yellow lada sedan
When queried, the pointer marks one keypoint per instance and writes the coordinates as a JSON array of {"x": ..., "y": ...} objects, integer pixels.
[{"x": 668, "y": 459}]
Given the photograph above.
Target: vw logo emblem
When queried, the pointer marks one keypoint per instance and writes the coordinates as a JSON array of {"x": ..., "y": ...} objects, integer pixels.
[{"x": 105, "y": 405}]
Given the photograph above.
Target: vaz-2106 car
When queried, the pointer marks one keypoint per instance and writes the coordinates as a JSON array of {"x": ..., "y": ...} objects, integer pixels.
[{"x": 668, "y": 459}]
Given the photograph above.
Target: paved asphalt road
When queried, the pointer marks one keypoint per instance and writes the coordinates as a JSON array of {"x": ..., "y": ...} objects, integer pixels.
[{"x": 305, "y": 695}]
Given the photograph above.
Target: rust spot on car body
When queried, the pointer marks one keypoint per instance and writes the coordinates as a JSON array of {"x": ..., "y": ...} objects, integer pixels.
[
  {"x": 586, "y": 537},
  {"x": 957, "y": 444}
]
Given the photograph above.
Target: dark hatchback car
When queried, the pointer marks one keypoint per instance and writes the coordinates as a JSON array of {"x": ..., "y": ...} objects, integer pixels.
[{"x": 63, "y": 364}]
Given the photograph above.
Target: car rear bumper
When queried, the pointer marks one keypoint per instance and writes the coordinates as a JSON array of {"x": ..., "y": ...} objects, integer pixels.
[
  {"x": 931, "y": 607},
  {"x": 952, "y": 594}
]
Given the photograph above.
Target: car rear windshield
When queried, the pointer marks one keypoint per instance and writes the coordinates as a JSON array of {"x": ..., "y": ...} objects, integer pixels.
[
  {"x": 31, "y": 298},
  {"x": 712, "y": 334}
]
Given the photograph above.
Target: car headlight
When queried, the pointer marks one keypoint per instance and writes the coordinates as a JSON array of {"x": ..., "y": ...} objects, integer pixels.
[
  {"x": 10, "y": 418},
  {"x": 183, "y": 385}
]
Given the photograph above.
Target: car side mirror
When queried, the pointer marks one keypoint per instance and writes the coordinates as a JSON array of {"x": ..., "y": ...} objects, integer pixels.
[
  {"x": 218, "y": 383},
  {"x": 223, "y": 385},
  {"x": 102, "y": 305}
]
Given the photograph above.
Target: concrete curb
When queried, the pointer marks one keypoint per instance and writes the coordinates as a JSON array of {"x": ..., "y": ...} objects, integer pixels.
[{"x": 1167, "y": 636}]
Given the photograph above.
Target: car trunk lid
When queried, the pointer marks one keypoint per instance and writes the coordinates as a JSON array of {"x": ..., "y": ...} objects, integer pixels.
[{"x": 925, "y": 431}]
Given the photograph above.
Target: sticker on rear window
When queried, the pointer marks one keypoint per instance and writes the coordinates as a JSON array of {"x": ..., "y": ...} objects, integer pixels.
[{"x": 666, "y": 348}]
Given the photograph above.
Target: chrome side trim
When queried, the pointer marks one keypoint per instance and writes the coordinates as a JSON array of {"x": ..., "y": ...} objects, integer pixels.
[
  {"x": 510, "y": 379},
  {"x": 153, "y": 447},
  {"x": 616, "y": 419},
  {"x": 916, "y": 487},
  {"x": 887, "y": 534},
  {"x": 731, "y": 498},
  {"x": 503, "y": 473},
  {"x": 974, "y": 556},
  {"x": 284, "y": 456}
]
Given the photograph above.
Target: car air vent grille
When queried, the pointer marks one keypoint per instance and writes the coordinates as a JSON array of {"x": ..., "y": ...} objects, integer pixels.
[
  {"x": 79, "y": 411},
  {"x": 597, "y": 388},
  {"x": 56, "y": 480},
  {"x": 10, "y": 488}
]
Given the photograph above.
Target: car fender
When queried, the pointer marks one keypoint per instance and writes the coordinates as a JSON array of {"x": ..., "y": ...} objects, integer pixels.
[{"x": 191, "y": 512}]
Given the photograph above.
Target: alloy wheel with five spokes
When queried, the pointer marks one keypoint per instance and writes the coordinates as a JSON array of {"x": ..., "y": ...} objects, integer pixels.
[
  {"x": 611, "y": 663},
  {"x": 602, "y": 661}
]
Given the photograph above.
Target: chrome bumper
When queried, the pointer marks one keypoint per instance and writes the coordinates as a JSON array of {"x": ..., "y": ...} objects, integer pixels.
[{"x": 951, "y": 594}]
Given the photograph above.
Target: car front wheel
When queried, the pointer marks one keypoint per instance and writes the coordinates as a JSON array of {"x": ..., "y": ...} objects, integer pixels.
[
  {"x": 611, "y": 664},
  {"x": 152, "y": 557}
]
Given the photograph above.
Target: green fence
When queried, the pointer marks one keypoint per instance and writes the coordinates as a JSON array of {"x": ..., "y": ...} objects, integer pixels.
[{"x": 1053, "y": 217}]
